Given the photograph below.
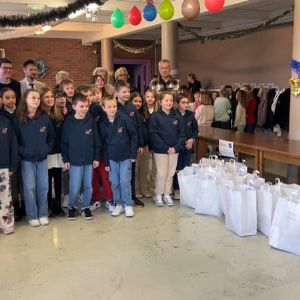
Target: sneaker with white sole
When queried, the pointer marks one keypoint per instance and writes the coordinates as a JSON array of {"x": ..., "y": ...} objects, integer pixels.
[
  {"x": 110, "y": 206},
  {"x": 168, "y": 200},
  {"x": 176, "y": 195},
  {"x": 129, "y": 213},
  {"x": 44, "y": 221},
  {"x": 86, "y": 214},
  {"x": 158, "y": 200},
  {"x": 34, "y": 222},
  {"x": 117, "y": 210},
  {"x": 97, "y": 204}
]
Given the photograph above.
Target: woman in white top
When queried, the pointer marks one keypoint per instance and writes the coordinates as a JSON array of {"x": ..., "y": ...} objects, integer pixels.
[
  {"x": 240, "y": 113},
  {"x": 222, "y": 107},
  {"x": 205, "y": 113}
]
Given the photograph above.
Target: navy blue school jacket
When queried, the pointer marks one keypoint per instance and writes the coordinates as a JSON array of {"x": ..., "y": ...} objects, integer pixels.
[
  {"x": 120, "y": 139},
  {"x": 9, "y": 145},
  {"x": 36, "y": 137},
  {"x": 145, "y": 123},
  {"x": 80, "y": 142},
  {"x": 57, "y": 126},
  {"x": 166, "y": 130},
  {"x": 8, "y": 115},
  {"x": 190, "y": 125},
  {"x": 129, "y": 109},
  {"x": 96, "y": 111}
]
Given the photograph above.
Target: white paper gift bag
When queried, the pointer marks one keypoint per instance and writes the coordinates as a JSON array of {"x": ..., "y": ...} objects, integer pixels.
[
  {"x": 188, "y": 180},
  {"x": 285, "y": 228},
  {"x": 207, "y": 197},
  {"x": 241, "y": 216}
]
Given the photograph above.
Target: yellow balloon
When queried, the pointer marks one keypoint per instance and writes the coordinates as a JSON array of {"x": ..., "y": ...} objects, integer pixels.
[
  {"x": 166, "y": 10},
  {"x": 190, "y": 9}
]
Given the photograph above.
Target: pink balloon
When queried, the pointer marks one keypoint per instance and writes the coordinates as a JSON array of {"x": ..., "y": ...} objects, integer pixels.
[
  {"x": 135, "y": 16},
  {"x": 214, "y": 6}
]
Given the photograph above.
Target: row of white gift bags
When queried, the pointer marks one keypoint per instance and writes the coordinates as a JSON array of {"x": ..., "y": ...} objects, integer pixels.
[
  {"x": 241, "y": 212},
  {"x": 285, "y": 228}
]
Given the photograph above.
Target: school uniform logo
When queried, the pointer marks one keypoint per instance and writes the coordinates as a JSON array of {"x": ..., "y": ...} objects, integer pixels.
[
  {"x": 88, "y": 131},
  {"x": 4, "y": 130},
  {"x": 120, "y": 129},
  {"x": 175, "y": 122},
  {"x": 131, "y": 113},
  {"x": 43, "y": 129}
]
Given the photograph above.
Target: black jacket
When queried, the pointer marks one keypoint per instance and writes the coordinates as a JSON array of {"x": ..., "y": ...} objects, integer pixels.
[
  {"x": 190, "y": 125},
  {"x": 36, "y": 137},
  {"x": 129, "y": 109},
  {"x": 80, "y": 142},
  {"x": 120, "y": 139},
  {"x": 57, "y": 126},
  {"x": 9, "y": 145},
  {"x": 145, "y": 125},
  {"x": 166, "y": 131}
]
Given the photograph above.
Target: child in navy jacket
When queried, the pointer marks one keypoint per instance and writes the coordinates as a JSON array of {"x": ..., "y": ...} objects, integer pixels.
[
  {"x": 8, "y": 164},
  {"x": 191, "y": 134},
  {"x": 167, "y": 140},
  {"x": 122, "y": 90},
  {"x": 80, "y": 145},
  {"x": 120, "y": 148},
  {"x": 36, "y": 136}
]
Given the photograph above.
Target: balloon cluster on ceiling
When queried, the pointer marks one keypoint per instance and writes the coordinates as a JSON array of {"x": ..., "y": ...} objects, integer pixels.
[{"x": 190, "y": 9}]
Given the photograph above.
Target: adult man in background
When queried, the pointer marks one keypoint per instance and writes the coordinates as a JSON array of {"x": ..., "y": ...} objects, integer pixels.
[
  {"x": 30, "y": 82},
  {"x": 194, "y": 84},
  {"x": 164, "y": 82},
  {"x": 6, "y": 71}
]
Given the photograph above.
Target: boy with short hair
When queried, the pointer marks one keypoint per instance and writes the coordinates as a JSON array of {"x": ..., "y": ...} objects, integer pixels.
[
  {"x": 67, "y": 85},
  {"x": 120, "y": 141},
  {"x": 122, "y": 91},
  {"x": 80, "y": 151}
]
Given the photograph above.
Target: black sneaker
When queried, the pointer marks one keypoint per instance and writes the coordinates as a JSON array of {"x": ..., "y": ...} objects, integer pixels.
[
  {"x": 138, "y": 202},
  {"x": 72, "y": 214},
  {"x": 86, "y": 214}
]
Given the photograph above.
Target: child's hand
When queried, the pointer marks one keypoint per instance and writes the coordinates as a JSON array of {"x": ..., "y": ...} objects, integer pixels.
[
  {"x": 133, "y": 160},
  {"x": 171, "y": 150},
  {"x": 107, "y": 169},
  {"x": 67, "y": 166},
  {"x": 189, "y": 144},
  {"x": 95, "y": 164},
  {"x": 141, "y": 150}
]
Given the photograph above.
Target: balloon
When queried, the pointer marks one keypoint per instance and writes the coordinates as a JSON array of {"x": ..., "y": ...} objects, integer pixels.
[
  {"x": 166, "y": 10},
  {"x": 214, "y": 6},
  {"x": 117, "y": 18},
  {"x": 135, "y": 16},
  {"x": 149, "y": 12},
  {"x": 190, "y": 9}
]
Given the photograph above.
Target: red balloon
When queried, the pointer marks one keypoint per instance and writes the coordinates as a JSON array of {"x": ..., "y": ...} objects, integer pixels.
[
  {"x": 135, "y": 16},
  {"x": 214, "y": 6}
]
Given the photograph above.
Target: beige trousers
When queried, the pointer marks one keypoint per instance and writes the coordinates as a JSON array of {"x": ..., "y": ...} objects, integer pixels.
[
  {"x": 165, "y": 170},
  {"x": 142, "y": 184},
  {"x": 6, "y": 206}
]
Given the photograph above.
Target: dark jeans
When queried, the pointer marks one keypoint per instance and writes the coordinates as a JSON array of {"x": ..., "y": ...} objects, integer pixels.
[
  {"x": 132, "y": 182},
  {"x": 250, "y": 128},
  {"x": 222, "y": 125},
  {"x": 184, "y": 160},
  {"x": 17, "y": 191},
  {"x": 56, "y": 175}
]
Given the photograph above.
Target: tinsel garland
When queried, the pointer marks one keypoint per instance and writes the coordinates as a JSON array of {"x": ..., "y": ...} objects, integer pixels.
[
  {"x": 234, "y": 35},
  {"x": 54, "y": 15},
  {"x": 135, "y": 50}
]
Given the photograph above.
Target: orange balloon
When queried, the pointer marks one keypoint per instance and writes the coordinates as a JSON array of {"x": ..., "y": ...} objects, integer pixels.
[{"x": 190, "y": 9}]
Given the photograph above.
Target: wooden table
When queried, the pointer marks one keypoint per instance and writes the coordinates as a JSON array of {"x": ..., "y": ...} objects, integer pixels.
[{"x": 262, "y": 146}]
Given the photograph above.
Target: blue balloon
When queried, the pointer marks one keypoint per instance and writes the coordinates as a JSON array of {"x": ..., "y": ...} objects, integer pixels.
[{"x": 149, "y": 12}]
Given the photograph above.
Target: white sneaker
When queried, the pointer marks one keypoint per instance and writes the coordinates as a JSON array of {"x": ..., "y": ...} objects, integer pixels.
[
  {"x": 168, "y": 200},
  {"x": 158, "y": 200},
  {"x": 44, "y": 221},
  {"x": 129, "y": 213},
  {"x": 95, "y": 205},
  {"x": 110, "y": 206},
  {"x": 34, "y": 223},
  {"x": 117, "y": 210},
  {"x": 176, "y": 195}
]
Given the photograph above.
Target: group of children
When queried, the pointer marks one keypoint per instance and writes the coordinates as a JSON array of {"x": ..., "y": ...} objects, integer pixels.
[{"x": 78, "y": 138}]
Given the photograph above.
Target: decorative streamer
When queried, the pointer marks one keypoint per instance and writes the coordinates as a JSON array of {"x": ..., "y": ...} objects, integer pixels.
[
  {"x": 54, "y": 15},
  {"x": 295, "y": 82},
  {"x": 135, "y": 50}
]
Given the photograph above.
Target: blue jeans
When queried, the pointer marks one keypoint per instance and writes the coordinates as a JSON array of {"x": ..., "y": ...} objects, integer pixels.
[
  {"x": 35, "y": 187},
  {"x": 79, "y": 175},
  {"x": 120, "y": 177},
  {"x": 184, "y": 160}
]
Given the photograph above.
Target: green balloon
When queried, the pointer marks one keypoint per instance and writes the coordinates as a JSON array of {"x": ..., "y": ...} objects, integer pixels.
[
  {"x": 166, "y": 10},
  {"x": 117, "y": 18}
]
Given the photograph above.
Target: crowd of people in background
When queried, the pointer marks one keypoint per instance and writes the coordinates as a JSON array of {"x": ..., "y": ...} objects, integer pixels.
[{"x": 80, "y": 141}]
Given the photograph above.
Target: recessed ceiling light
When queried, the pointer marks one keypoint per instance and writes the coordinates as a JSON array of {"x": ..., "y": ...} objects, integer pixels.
[{"x": 36, "y": 7}]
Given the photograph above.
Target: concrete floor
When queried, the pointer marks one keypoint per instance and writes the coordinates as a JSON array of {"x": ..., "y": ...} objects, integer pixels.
[{"x": 162, "y": 253}]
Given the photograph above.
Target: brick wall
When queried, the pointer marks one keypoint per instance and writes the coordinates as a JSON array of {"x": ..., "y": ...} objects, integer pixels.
[{"x": 60, "y": 54}]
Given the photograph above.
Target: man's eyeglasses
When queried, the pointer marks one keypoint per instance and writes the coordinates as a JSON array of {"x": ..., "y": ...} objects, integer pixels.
[{"x": 6, "y": 68}]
